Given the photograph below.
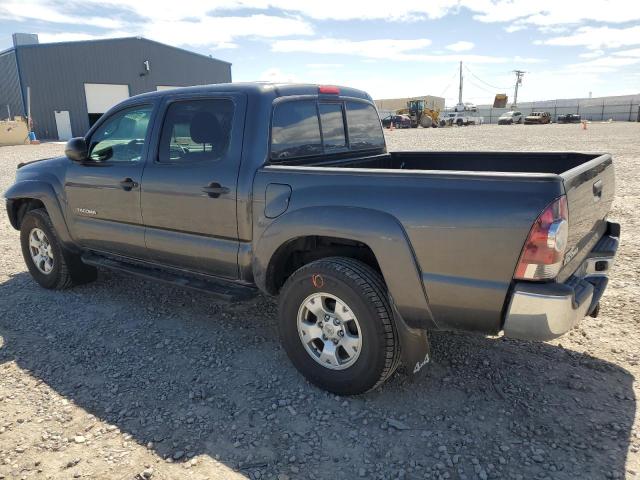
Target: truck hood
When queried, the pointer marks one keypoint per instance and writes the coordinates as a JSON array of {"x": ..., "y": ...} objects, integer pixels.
[{"x": 40, "y": 169}]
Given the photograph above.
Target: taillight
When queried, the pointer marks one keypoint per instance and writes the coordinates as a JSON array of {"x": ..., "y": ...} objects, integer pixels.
[
  {"x": 328, "y": 89},
  {"x": 543, "y": 252}
]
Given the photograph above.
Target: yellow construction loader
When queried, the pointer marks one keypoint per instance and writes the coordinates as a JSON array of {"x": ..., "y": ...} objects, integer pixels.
[{"x": 420, "y": 114}]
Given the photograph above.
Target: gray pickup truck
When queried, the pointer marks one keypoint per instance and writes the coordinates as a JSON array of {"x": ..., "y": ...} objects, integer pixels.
[{"x": 290, "y": 190}]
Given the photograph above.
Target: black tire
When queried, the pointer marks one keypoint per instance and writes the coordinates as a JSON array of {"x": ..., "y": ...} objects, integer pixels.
[
  {"x": 459, "y": 122},
  {"x": 68, "y": 270},
  {"x": 363, "y": 290}
]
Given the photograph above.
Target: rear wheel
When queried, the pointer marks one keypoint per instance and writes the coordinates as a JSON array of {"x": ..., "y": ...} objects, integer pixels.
[
  {"x": 49, "y": 263},
  {"x": 459, "y": 122},
  {"x": 336, "y": 325}
]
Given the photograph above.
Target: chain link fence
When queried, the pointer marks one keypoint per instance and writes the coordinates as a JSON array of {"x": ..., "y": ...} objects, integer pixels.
[{"x": 626, "y": 109}]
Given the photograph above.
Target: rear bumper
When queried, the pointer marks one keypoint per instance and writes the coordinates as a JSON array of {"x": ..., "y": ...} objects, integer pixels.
[{"x": 543, "y": 311}]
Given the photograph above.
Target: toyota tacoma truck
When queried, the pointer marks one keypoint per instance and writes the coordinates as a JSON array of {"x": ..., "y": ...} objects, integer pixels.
[{"x": 289, "y": 190}]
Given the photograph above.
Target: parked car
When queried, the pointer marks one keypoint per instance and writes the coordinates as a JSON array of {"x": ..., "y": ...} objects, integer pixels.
[
  {"x": 569, "y": 118},
  {"x": 509, "y": 118},
  {"x": 233, "y": 189},
  {"x": 460, "y": 119},
  {"x": 537, "y": 118},
  {"x": 399, "y": 121}
]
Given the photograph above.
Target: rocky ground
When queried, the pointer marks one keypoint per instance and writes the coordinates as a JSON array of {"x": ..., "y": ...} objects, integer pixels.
[{"x": 128, "y": 379}]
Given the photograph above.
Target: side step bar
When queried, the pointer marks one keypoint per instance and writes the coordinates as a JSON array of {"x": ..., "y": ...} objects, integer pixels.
[{"x": 223, "y": 290}]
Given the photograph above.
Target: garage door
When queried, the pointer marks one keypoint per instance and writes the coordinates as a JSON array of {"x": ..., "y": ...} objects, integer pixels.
[{"x": 102, "y": 96}]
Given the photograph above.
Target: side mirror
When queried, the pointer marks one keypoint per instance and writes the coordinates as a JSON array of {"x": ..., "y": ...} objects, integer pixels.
[{"x": 76, "y": 149}]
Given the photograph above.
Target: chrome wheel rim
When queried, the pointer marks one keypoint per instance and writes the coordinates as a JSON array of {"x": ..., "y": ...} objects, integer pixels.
[
  {"x": 41, "y": 251},
  {"x": 329, "y": 331}
]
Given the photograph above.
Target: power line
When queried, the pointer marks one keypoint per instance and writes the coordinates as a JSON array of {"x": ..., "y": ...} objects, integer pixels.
[
  {"x": 484, "y": 89},
  {"x": 486, "y": 83},
  {"x": 455, "y": 74}
]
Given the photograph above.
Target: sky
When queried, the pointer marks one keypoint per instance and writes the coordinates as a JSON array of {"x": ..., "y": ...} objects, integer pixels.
[{"x": 390, "y": 48}]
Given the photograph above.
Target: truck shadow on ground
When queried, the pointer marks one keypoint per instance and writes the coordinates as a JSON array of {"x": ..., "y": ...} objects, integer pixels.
[{"x": 186, "y": 376}]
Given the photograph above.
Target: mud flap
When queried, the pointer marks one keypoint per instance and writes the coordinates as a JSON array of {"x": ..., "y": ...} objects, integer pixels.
[{"x": 415, "y": 352}]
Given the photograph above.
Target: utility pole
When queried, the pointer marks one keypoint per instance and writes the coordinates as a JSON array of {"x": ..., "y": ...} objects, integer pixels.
[
  {"x": 519, "y": 75},
  {"x": 460, "y": 87}
]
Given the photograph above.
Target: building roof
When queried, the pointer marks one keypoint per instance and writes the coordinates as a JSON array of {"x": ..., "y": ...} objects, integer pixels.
[{"x": 106, "y": 40}]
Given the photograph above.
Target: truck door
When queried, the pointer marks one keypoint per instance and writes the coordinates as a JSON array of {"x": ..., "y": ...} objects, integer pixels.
[
  {"x": 189, "y": 184},
  {"x": 103, "y": 193}
]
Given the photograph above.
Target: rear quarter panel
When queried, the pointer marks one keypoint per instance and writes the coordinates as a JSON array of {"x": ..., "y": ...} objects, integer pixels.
[{"x": 465, "y": 230}]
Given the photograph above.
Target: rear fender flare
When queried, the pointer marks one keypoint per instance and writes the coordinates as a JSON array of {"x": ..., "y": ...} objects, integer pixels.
[{"x": 378, "y": 230}]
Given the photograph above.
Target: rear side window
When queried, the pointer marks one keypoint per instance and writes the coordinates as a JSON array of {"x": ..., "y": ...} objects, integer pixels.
[
  {"x": 364, "y": 126},
  {"x": 302, "y": 128},
  {"x": 333, "y": 135},
  {"x": 295, "y": 131},
  {"x": 196, "y": 130}
]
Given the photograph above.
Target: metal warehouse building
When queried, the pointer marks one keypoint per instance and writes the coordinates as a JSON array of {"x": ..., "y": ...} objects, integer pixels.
[{"x": 67, "y": 86}]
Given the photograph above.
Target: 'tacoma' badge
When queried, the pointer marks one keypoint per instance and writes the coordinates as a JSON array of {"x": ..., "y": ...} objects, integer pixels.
[{"x": 86, "y": 211}]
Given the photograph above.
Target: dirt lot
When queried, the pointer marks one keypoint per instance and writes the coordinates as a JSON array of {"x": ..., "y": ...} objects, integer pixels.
[{"x": 124, "y": 379}]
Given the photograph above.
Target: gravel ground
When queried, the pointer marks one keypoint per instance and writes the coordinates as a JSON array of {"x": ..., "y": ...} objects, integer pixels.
[{"x": 130, "y": 379}]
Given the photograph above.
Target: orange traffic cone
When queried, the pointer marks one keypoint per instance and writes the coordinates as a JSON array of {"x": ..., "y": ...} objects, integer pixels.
[
  {"x": 584, "y": 124},
  {"x": 391, "y": 125}
]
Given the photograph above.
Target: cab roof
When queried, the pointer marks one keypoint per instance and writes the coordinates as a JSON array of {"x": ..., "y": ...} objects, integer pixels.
[{"x": 270, "y": 89}]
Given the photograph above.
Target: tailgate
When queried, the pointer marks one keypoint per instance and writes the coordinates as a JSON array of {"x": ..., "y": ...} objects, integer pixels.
[{"x": 590, "y": 190}]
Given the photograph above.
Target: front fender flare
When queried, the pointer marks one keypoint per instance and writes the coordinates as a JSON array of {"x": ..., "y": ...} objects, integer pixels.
[
  {"x": 378, "y": 230},
  {"x": 44, "y": 192}
]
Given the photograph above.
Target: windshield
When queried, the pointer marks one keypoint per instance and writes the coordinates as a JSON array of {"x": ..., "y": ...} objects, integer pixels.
[{"x": 507, "y": 114}]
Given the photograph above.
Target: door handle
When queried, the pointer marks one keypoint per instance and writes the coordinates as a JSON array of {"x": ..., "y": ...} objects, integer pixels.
[
  {"x": 128, "y": 184},
  {"x": 214, "y": 190}
]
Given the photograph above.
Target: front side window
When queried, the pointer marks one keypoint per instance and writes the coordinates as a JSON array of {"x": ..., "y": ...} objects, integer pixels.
[
  {"x": 121, "y": 137},
  {"x": 196, "y": 130},
  {"x": 364, "y": 127},
  {"x": 295, "y": 130}
]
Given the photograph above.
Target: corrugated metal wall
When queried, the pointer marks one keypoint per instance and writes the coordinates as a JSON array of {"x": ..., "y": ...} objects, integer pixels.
[
  {"x": 57, "y": 73},
  {"x": 9, "y": 86}
]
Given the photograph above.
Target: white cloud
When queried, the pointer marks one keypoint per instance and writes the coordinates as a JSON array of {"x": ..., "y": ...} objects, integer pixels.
[
  {"x": 41, "y": 11},
  {"x": 634, "y": 52},
  {"x": 383, "y": 49},
  {"x": 220, "y": 31},
  {"x": 554, "y": 12},
  {"x": 324, "y": 65},
  {"x": 406, "y": 10},
  {"x": 278, "y": 76},
  {"x": 184, "y": 23},
  {"x": 602, "y": 64},
  {"x": 515, "y": 28},
  {"x": 461, "y": 46},
  {"x": 598, "y": 37},
  {"x": 70, "y": 37},
  {"x": 593, "y": 54},
  {"x": 528, "y": 60}
]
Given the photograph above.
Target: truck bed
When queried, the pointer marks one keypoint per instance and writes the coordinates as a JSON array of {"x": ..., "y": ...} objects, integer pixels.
[
  {"x": 512, "y": 162},
  {"x": 466, "y": 214}
]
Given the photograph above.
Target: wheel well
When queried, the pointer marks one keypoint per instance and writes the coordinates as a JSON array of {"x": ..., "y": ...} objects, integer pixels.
[
  {"x": 302, "y": 250},
  {"x": 20, "y": 208}
]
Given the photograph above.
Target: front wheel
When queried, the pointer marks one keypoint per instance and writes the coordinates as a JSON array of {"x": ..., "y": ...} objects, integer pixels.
[
  {"x": 49, "y": 263},
  {"x": 336, "y": 325}
]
